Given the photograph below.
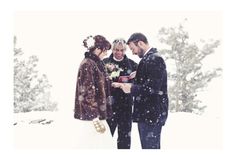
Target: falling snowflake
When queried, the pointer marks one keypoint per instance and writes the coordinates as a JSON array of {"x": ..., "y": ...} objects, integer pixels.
[
  {"x": 129, "y": 71},
  {"x": 102, "y": 107},
  {"x": 82, "y": 89},
  {"x": 138, "y": 98},
  {"x": 150, "y": 134},
  {"x": 164, "y": 113},
  {"x": 81, "y": 98},
  {"x": 129, "y": 134}
]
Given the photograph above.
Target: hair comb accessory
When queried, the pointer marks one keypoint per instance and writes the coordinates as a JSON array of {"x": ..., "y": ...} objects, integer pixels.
[{"x": 90, "y": 42}]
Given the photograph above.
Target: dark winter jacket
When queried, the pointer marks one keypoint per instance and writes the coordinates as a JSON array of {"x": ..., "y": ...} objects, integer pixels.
[
  {"x": 92, "y": 97},
  {"x": 122, "y": 105},
  {"x": 150, "y": 90},
  {"x": 128, "y": 66}
]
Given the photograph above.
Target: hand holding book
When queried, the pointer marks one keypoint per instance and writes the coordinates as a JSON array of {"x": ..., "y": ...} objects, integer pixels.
[
  {"x": 132, "y": 75},
  {"x": 125, "y": 79}
]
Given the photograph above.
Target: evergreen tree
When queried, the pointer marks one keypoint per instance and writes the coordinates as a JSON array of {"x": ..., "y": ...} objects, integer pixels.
[
  {"x": 188, "y": 78},
  {"x": 31, "y": 92}
]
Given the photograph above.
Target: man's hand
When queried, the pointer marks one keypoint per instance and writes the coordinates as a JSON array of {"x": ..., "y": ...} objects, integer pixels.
[
  {"x": 126, "y": 87},
  {"x": 116, "y": 84}
]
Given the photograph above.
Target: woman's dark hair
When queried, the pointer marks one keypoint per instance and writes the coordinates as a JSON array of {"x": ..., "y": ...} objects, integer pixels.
[
  {"x": 136, "y": 37},
  {"x": 100, "y": 42}
]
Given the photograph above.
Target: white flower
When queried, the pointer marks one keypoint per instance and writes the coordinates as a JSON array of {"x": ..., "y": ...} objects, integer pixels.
[
  {"x": 90, "y": 42},
  {"x": 111, "y": 67},
  {"x": 115, "y": 74},
  {"x": 113, "y": 70}
]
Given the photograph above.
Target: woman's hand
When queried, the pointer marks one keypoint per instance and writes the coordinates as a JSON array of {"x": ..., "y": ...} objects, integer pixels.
[
  {"x": 99, "y": 126},
  {"x": 126, "y": 87}
]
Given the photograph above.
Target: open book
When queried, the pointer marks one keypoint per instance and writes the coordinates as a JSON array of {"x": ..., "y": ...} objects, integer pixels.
[{"x": 125, "y": 79}]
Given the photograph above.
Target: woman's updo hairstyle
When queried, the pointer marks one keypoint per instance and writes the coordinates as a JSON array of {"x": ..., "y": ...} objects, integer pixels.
[{"x": 98, "y": 41}]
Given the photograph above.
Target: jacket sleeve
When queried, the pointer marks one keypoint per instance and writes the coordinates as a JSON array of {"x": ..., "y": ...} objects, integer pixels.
[
  {"x": 155, "y": 71},
  {"x": 134, "y": 65},
  {"x": 87, "y": 89}
]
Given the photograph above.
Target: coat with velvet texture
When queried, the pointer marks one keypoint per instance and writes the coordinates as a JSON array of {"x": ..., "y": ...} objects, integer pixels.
[
  {"x": 150, "y": 90},
  {"x": 92, "y": 98}
]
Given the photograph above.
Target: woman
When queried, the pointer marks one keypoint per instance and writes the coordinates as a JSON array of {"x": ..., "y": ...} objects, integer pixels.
[{"x": 92, "y": 99}]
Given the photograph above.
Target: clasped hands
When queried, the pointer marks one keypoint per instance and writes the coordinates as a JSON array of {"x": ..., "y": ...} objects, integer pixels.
[{"x": 126, "y": 87}]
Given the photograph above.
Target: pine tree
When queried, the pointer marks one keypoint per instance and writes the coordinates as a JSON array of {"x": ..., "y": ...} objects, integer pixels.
[
  {"x": 29, "y": 88},
  {"x": 188, "y": 79}
]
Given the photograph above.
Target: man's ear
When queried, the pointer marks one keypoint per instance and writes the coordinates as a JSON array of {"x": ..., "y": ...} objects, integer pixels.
[{"x": 140, "y": 43}]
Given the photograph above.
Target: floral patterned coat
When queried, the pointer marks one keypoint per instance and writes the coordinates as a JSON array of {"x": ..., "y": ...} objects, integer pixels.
[{"x": 92, "y": 98}]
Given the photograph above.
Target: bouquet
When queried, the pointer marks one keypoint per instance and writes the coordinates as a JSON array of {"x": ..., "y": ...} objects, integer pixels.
[{"x": 113, "y": 70}]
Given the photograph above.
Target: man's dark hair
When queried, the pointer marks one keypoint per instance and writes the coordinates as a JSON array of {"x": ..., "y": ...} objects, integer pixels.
[{"x": 135, "y": 37}]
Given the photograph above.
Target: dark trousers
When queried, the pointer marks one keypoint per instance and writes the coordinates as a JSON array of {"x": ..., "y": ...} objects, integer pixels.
[
  {"x": 150, "y": 135},
  {"x": 123, "y": 125},
  {"x": 124, "y": 137}
]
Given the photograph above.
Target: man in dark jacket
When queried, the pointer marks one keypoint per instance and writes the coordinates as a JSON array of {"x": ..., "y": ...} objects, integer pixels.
[
  {"x": 149, "y": 91},
  {"x": 120, "y": 67}
]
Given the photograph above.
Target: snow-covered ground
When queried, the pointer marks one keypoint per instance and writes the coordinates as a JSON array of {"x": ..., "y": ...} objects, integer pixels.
[{"x": 54, "y": 130}]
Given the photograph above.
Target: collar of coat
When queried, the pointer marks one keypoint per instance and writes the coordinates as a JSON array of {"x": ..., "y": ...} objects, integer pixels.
[
  {"x": 124, "y": 59},
  {"x": 96, "y": 59},
  {"x": 151, "y": 51}
]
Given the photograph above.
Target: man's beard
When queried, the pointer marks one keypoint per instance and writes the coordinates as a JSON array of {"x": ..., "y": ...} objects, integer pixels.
[{"x": 141, "y": 53}]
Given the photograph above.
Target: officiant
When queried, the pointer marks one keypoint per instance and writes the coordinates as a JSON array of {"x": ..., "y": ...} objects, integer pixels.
[{"x": 121, "y": 69}]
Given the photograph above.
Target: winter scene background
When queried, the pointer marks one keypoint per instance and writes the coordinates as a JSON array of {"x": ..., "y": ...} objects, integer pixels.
[{"x": 47, "y": 53}]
